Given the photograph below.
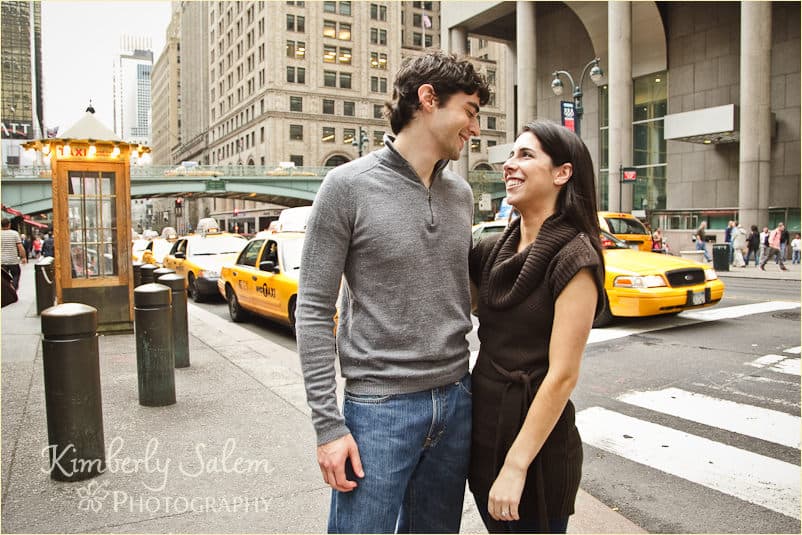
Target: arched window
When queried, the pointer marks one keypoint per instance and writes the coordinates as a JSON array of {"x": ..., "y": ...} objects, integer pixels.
[
  {"x": 336, "y": 160},
  {"x": 483, "y": 167}
]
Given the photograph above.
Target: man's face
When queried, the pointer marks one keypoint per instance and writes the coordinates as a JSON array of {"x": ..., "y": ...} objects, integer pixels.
[{"x": 454, "y": 123}]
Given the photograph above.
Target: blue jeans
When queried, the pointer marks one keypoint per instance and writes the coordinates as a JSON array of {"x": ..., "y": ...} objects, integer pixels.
[
  {"x": 795, "y": 258},
  {"x": 749, "y": 254},
  {"x": 415, "y": 450},
  {"x": 556, "y": 525},
  {"x": 782, "y": 253},
  {"x": 700, "y": 246}
]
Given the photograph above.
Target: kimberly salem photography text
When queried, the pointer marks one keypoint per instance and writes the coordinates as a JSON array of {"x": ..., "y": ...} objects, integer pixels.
[{"x": 155, "y": 467}]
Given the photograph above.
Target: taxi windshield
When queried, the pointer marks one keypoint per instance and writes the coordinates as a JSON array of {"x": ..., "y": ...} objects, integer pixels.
[
  {"x": 221, "y": 245},
  {"x": 625, "y": 226},
  {"x": 291, "y": 254}
]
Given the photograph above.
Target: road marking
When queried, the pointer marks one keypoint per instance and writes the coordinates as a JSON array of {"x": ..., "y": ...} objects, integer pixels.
[
  {"x": 689, "y": 318},
  {"x": 758, "y": 479},
  {"x": 731, "y": 390},
  {"x": 777, "y": 363},
  {"x": 765, "y": 424},
  {"x": 793, "y": 350},
  {"x": 712, "y": 314}
]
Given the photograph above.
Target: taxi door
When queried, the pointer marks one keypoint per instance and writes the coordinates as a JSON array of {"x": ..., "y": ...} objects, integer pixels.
[
  {"x": 243, "y": 275},
  {"x": 170, "y": 261},
  {"x": 266, "y": 295}
]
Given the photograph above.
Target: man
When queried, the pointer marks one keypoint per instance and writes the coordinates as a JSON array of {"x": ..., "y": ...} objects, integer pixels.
[
  {"x": 395, "y": 227},
  {"x": 784, "y": 238},
  {"x": 728, "y": 238},
  {"x": 12, "y": 251},
  {"x": 48, "y": 248},
  {"x": 700, "y": 240},
  {"x": 764, "y": 242},
  {"x": 774, "y": 248}
]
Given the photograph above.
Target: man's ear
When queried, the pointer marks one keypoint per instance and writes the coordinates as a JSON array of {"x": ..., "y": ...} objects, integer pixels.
[
  {"x": 563, "y": 173},
  {"x": 427, "y": 96}
]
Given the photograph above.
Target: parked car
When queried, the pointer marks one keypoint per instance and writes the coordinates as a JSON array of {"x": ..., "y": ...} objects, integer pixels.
[
  {"x": 200, "y": 257},
  {"x": 641, "y": 283},
  {"x": 487, "y": 228},
  {"x": 263, "y": 279},
  {"x": 626, "y": 227}
]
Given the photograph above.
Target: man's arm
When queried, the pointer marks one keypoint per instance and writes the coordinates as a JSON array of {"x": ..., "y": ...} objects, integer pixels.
[
  {"x": 326, "y": 246},
  {"x": 23, "y": 257}
]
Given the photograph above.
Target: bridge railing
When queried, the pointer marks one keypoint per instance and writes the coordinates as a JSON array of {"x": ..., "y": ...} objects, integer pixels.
[{"x": 24, "y": 171}]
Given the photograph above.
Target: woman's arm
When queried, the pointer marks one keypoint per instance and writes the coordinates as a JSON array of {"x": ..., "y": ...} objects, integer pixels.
[{"x": 573, "y": 319}]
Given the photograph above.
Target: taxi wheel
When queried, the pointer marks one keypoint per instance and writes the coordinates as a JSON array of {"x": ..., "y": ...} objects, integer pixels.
[
  {"x": 237, "y": 313},
  {"x": 605, "y": 317},
  {"x": 291, "y": 315},
  {"x": 192, "y": 288}
]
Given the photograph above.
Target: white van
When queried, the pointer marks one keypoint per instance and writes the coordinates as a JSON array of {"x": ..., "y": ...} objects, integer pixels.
[{"x": 292, "y": 219}]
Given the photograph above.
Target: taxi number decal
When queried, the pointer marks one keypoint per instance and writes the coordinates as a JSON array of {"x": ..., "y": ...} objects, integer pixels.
[
  {"x": 242, "y": 285},
  {"x": 266, "y": 291}
]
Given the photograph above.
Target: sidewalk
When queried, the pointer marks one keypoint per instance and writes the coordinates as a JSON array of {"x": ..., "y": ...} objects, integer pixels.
[
  {"x": 772, "y": 272},
  {"x": 235, "y": 454}
]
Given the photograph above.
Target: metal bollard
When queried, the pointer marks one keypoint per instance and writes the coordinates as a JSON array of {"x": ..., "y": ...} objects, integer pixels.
[
  {"x": 45, "y": 275},
  {"x": 146, "y": 274},
  {"x": 72, "y": 392},
  {"x": 178, "y": 285},
  {"x": 155, "y": 361},
  {"x": 137, "y": 274},
  {"x": 161, "y": 271}
]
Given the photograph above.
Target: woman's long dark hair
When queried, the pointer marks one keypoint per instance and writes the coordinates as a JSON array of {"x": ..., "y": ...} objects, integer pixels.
[{"x": 577, "y": 198}]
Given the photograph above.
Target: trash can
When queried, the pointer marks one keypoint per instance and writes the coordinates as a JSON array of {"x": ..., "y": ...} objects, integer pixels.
[
  {"x": 721, "y": 256},
  {"x": 45, "y": 282}
]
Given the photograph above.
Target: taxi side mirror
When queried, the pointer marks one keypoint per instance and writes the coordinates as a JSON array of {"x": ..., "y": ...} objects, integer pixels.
[
  {"x": 180, "y": 254},
  {"x": 269, "y": 265}
]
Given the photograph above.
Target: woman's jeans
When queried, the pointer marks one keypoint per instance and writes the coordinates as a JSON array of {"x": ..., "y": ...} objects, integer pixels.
[
  {"x": 415, "y": 450},
  {"x": 700, "y": 246},
  {"x": 556, "y": 525}
]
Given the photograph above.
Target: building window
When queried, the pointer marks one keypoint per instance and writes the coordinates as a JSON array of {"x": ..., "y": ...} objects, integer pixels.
[
  {"x": 378, "y": 36},
  {"x": 491, "y": 123},
  {"x": 349, "y": 134},
  {"x": 378, "y": 111},
  {"x": 297, "y": 159},
  {"x": 491, "y": 77},
  {"x": 296, "y": 75},
  {"x": 328, "y": 134},
  {"x": 328, "y": 106},
  {"x": 348, "y": 108},
  {"x": 345, "y": 80},
  {"x": 378, "y": 60},
  {"x": 296, "y": 103},
  {"x": 378, "y": 12},
  {"x": 290, "y": 23},
  {"x": 296, "y": 132},
  {"x": 378, "y": 138},
  {"x": 345, "y": 56},
  {"x": 476, "y": 144},
  {"x": 262, "y": 134},
  {"x": 329, "y": 79},
  {"x": 345, "y": 31},
  {"x": 296, "y": 49},
  {"x": 329, "y": 6},
  {"x": 329, "y": 54},
  {"x": 491, "y": 143},
  {"x": 330, "y": 29},
  {"x": 345, "y": 8},
  {"x": 417, "y": 21}
]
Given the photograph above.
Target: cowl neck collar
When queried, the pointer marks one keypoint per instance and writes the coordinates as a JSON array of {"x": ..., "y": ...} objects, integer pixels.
[{"x": 509, "y": 277}]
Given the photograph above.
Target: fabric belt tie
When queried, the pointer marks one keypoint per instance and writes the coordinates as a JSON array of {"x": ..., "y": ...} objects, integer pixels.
[{"x": 529, "y": 382}]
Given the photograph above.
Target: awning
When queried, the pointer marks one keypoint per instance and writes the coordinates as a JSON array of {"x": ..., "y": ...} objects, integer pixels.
[{"x": 24, "y": 217}]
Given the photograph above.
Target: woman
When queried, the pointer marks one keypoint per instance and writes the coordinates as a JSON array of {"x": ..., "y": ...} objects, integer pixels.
[
  {"x": 657, "y": 241},
  {"x": 539, "y": 284}
]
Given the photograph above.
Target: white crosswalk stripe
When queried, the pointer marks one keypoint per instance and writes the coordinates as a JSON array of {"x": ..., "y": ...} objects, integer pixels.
[
  {"x": 755, "y": 478},
  {"x": 778, "y": 363}
]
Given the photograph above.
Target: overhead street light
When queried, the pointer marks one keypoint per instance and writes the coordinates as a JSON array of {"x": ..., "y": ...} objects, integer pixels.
[
  {"x": 596, "y": 74},
  {"x": 361, "y": 140}
]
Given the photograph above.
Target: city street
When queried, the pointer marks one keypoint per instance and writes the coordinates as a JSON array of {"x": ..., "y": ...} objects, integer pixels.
[{"x": 690, "y": 422}]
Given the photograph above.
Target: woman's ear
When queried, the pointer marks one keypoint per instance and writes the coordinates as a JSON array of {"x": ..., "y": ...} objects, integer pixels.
[{"x": 563, "y": 173}]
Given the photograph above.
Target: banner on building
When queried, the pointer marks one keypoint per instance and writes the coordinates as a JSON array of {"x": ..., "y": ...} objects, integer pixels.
[{"x": 567, "y": 114}]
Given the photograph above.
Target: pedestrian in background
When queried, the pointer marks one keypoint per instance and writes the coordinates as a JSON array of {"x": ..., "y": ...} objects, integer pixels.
[
  {"x": 395, "y": 227},
  {"x": 27, "y": 244},
  {"x": 796, "y": 246},
  {"x": 738, "y": 238},
  {"x": 37, "y": 246},
  {"x": 657, "y": 241},
  {"x": 48, "y": 248},
  {"x": 753, "y": 242},
  {"x": 774, "y": 248},
  {"x": 728, "y": 238},
  {"x": 699, "y": 238},
  {"x": 764, "y": 242},
  {"x": 784, "y": 239},
  {"x": 540, "y": 284},
  {"x": 12, "y": 251}
]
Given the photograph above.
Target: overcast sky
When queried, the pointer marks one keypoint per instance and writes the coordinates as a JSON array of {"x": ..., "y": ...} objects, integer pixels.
[{"x": 79, "y": 43}]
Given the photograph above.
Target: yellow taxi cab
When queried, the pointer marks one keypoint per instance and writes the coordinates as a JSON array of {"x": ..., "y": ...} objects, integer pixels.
[
  {"x": 137, "y": 248},
  {"x": 263, "y": 279},
  {"x": 649, "y": 284},
  {"x": 626, "y": 227},
  {"x": 199, "y": 257}
]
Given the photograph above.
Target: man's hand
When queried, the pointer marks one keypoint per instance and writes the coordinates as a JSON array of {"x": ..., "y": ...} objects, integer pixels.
[{"x": 332, "y": 457}]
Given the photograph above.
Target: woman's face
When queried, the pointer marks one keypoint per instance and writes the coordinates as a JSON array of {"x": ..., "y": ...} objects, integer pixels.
[{"x": 530, "y": 177}]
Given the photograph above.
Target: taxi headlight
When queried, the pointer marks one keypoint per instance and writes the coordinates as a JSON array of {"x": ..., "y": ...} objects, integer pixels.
[
  {"x": 208, "y": 274},
  {"x": 649, "y": 281},
  {"x": 710, "y": 274}
]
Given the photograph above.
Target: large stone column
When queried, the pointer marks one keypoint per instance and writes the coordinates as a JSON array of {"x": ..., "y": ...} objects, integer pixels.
[
  {"x": 458, "y": 45},
  {"x": 526, "y": 65},
  {"x": 619, "y": 17},
  {"x": 754, "y": 166}
]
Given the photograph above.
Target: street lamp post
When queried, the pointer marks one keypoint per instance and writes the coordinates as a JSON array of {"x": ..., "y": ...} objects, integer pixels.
[
  {"x": 596, "y": 75},
  {"x": 360, "y": 141}
]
